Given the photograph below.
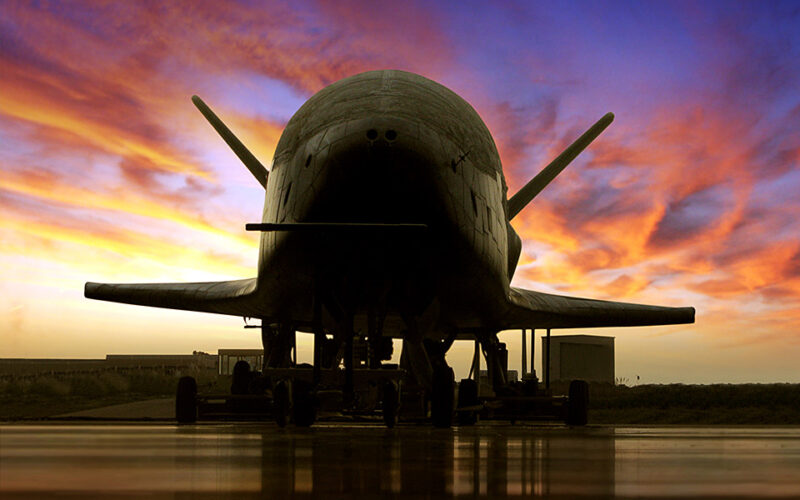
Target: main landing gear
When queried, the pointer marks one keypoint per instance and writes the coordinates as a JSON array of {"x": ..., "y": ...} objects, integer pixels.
[
  {"x": 515, "y": 401},
  {"x": 186, "y": 401},
  {"x": 348, "y": 377},
  {"x": 442, "y": 384},
  {"x": 366, "y": 388}
]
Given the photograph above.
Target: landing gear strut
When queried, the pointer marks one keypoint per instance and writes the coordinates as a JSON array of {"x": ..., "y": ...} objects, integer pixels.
[
  {"x": 281, "y": 403},
  {"x": 186, "y": 401},
  {"x": 443, "y": 383},
  {"x": 442, "y": 397},
  {"x": 304, "y": 409},
  {"x": 390, "y": 403}
]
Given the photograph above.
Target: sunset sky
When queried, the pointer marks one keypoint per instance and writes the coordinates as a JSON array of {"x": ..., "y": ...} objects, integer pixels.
[{"x": 691, "y": 197}]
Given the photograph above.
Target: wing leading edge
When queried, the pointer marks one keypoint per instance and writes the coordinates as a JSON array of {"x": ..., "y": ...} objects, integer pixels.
[
  {"x": 530, "y": 309},
  {"x": 236, "y": 298}
]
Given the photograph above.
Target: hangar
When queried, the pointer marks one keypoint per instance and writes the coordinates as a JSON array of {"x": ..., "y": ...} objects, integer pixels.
[{"x": 579, "y": 357}]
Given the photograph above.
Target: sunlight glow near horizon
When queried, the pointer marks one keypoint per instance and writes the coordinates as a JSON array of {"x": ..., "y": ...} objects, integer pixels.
[{"x": 108, "y": 173}]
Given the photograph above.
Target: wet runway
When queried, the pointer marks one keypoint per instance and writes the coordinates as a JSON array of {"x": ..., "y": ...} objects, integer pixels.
[{"x": 249, "y": 461}]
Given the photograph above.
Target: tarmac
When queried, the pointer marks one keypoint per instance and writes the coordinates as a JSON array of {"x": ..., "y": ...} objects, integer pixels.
[
  {"x": 150, "y": 409},
  {"x": 348, "y": 460}
]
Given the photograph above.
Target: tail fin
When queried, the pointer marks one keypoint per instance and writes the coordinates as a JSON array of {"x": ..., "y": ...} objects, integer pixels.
[
  {"x": 251, "y": 162},
  {"x": 548, "y": 173}
]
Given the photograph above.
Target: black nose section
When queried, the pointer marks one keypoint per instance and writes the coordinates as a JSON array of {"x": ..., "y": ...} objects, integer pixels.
[{"x": 379, "y": 174}]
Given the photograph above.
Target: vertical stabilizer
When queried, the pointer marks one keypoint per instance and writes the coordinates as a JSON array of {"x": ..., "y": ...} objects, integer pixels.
[
  {"x": 251, "y": 162},
  {"x": 548, "y": 173}
]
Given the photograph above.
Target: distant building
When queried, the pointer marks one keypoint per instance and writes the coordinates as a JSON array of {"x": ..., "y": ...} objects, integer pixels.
[
  {"x": 197, "y": 359},
  {"x": 15, "y": 368},
  {"x": 584, "y": 357},
  {"x": 229, "y": 357}
]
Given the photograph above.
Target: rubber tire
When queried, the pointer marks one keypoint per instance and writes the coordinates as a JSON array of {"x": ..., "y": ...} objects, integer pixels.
[
  {"x": 390, "y": 404},
  {"x": 304, "y": 408},
  {"x": 578, "y": 405},
  {"x": 467, "y": 396},
  {"x": 442, "y": 398},
  {"x": 281, "y": 403},
  {"x": 186, "y": 401},
  {"x": 240, "y": 383}
]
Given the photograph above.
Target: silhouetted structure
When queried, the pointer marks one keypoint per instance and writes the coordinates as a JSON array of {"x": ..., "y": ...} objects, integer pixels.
[
  {"x": 585, "y": 357},
  {"x": 229, "y": 357},
  {"x": 386, "y": 212}
]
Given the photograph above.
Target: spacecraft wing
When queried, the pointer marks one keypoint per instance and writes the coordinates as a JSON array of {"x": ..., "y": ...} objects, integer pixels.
[
  {"x": 236, "y": 298},
  {"x": 535, "y": 186},
  {"x": 530, "y": 309}
]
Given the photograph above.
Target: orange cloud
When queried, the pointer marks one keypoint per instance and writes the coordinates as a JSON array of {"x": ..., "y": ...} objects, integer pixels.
[
  {"x": 40, "y": 237},
  {"x": 25, "y": 96},
  {"x": 46, "y": 188}
]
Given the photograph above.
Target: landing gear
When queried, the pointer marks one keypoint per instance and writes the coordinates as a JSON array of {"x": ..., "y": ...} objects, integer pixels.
[
  {"x": 302, "y": 391},
  {"x": 390, "y": 403},
  {"x": 578, "y": 406},
  {"x": 442, "y": 380},
  {"x": 442, "y": 397},
  {"x": 242, "y": 376},
  {"x": 281, "y": 403},
  {"x": 186, "y": 401},
  {"x": 304, "y": 408},
  {"x": 514, "y": 401},
  {"x": 496, "y": 360},
  {"x": 467, "y": 401}
]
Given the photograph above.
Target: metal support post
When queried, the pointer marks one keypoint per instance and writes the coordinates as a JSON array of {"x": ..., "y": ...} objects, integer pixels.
[
  {"x": 547, "y": 359},
  {"x": 266, "y": 338},
  {"x": 319, "y": 340},
  {"x": 348, "y": 359},
  {"x": 524, "y": 349},
  {"x": 475, "y": 371},
  {"x": 475, "y": 368},
  {"x": 294, "y": 348}
]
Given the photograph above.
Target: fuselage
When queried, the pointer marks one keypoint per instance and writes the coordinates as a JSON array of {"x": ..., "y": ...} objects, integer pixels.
[{"x": 389, "y": 147}]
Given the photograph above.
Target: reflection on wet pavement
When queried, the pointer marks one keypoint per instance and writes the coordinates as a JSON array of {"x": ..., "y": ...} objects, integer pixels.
[{"x": 486, "y": 460}]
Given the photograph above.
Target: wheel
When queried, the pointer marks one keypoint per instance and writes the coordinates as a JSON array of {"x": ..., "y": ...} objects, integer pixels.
[
  {"x": 390, "y": 403},
  {"x": 186, "y": 401},
  {"x": 241, "y": 377},
  {"x": 304, "y": 408},
  {"x": 578, "y": 403},
  {"x": 442, "y": 397},
  {"x": 281, "y": 403},
  {"x": 467, "y": 396}
]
